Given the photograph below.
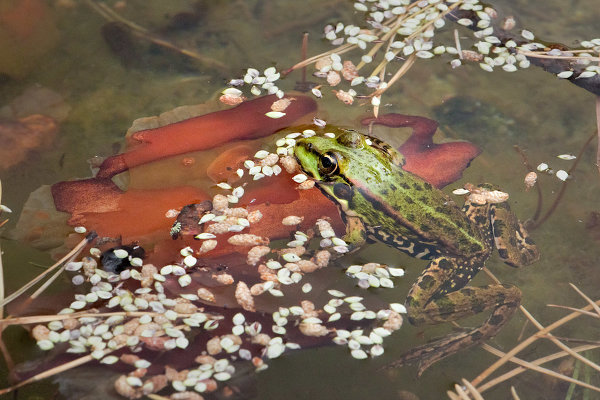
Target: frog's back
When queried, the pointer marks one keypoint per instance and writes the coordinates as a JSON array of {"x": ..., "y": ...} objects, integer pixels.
[{"x": 418, "y": 212}]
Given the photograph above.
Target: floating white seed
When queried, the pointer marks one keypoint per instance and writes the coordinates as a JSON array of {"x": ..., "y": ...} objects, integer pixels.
[
  {"x": 79, "y": 229},
  {"x": 336, "y": 293},
  {"x": 542, "y": 167},
  {"x": 334, "y": 317},
  {"x": 238, "y": 192},
  {"x": 109, "y": 360},
  {"x": 275, "y": 114},
  {"x": 77, "y": 305},
  {"x": 291, "y": 257},
  {"x": 562, "y": 175},
  {"x": 299, "y": 178},
  {"x": 190, "y": 261},
  {"x": 272, "y": 264},
  {"x": 353, "y": 269},
  {"x": 166, "y": 270},
  {"x": 566, "y": 157},
  {"x": 224, "y": 185},
  {"x": 564, "y": 74},
  {"x": 386, "y": 282},
  {"x": 359, "y": 354},
  {"x": 136, "y": 262},
  {"x": 460, "y": 191},
  {"x": 238, "y": 319},
  {"x": 261, "y": 154},
  {"x": 399, "y": 308},
  {"x": 376, "y": 350},
  {"x": 307, "y": 287},
  {"x": 120, "y": 253},
  {"x": 205, "y": 235},
  {"x": 527, "y": 34},
  {"x": 73, "y": 266},
  {"x": 184, "y": 280}
]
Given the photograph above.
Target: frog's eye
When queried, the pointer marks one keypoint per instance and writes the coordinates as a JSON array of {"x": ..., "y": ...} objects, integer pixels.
[{"x": 328, "y": 164}]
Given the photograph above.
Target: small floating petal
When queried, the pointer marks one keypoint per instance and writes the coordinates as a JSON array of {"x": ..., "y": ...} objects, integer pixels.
[
  {"x": 275, "y": 114},
  {"x": 562, "y": 175}
]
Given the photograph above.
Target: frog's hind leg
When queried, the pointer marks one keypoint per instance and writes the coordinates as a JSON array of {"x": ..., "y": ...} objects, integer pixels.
[
  {"x": 438, "y": 296},
  {"x": 514, "y": 245}
]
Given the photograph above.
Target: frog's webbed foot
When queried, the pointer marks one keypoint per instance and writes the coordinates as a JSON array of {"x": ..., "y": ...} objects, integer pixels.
[
  {"x": 514, "y": 245},
  {"x": 438, "y": 349}
]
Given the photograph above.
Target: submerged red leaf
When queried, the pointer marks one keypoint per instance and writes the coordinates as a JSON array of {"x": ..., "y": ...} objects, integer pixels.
[
  {"x": 438, "y": 163},
  {"x": 246, "y": 121}
]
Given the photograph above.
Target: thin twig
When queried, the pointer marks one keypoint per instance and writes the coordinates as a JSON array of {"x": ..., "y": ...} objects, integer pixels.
[
  {"x": 542, "y": 331},
  {"x": 513, "y": 391},
  {"x": 586, "y": 298},
  {"x": 142, "y": 32},
  {"x": 579, "y": 310},
  {"x": 537, "y": 368},
  {"x": 35, "y": 319},
  {"x": 538, "y": 55},
  {"x": 41, "y": 276},
  {"x": 56, "y": 370},
  {"x": 401, "y": 71},
  {"x": 510, "y": 374}
]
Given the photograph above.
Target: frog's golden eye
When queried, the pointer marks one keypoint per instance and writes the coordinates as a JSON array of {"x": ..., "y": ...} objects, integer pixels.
[{"x": 328, "y": 164}]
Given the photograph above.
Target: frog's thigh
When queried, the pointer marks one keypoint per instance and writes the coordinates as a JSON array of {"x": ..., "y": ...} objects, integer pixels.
[
  {"x": 465, "y": 302},
  {"x": 514, "y": 245},
  {"x": 439, "y": 294}
]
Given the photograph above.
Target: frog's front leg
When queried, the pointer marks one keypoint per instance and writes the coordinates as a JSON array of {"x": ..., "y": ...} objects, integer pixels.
[
  {"x": 439, "y": 296},
  {"x": 356, "y": 234}
]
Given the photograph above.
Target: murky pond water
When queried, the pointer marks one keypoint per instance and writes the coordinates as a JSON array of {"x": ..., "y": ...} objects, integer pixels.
[{"x": 95, "y": 80}]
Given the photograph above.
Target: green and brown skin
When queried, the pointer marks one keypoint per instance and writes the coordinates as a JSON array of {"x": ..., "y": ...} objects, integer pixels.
[{"x": 379, "y": 200}]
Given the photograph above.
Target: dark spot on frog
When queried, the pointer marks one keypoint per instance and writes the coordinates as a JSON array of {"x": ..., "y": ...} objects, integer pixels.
[
  {"x": 405, "y": 185},
  {"x": 503, "y": 253},
  {"x": 498, "y": 228},
  {"x": 408, "y": 200},
  {"x": 342, "y": 191},
  {"x": 476, "y": 336},
  {"x": 426, "y": 282},
  {"x": 417, "y": 186},
  {"x": 445, "y": 264},
  {"x": 480, "y": 220},
  {"x": 496, "y": 319}
]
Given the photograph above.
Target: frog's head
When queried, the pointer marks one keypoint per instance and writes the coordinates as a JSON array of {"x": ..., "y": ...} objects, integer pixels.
[{"x": 348, "y": 159}]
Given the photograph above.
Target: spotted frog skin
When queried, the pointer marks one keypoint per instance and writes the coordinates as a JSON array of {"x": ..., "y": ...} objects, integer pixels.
[{"x": 379, "y": 200}]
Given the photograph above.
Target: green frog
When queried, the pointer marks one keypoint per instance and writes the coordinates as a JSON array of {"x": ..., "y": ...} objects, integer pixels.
[{"x": 379, "y": 200}]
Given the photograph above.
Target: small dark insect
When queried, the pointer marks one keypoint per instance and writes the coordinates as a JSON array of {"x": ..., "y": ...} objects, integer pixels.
[
  {"x": 187, "y": 220},
  {"x": 114, "y": 264}
]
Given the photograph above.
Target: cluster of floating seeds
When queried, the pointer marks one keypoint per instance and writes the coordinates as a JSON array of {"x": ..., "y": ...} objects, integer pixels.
[
  {"x": 560, "y": 174},
  {"x": 374, "y": 275},
  {"x": 137, "y": 313},
  {"x": 398, "y": 29}
]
